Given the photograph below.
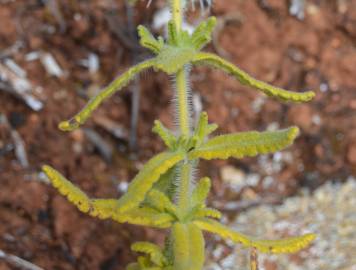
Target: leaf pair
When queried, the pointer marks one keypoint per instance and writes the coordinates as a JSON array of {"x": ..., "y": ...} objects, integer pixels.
[
  {"x": 180, "y": 50},
  {"x": 127, "y": 208}
]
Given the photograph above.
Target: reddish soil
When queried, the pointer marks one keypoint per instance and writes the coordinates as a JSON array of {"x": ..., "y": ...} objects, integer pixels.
[{"x": 40, "y": 226}]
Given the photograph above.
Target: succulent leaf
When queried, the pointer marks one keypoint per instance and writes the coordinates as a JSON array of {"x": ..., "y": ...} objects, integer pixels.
[
  {"x": 203, "y": 33},
  {"x": 148, "y": 175},
  {"x": 113, "y": 87},
  {"x": 188, "y": 246},
  {"x": 246, "y": 79},
  {"x": 148, "y": 41},
  {"x": 244, "y": 144},
  {"x": 166, "y": 135},
  {"x": 287, "y": 245}
]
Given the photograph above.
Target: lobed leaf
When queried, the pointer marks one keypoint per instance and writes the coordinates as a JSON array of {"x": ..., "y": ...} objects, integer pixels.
[
  {"x": 145, "y": 216},
  {"x": 203, "y": 33},
  {"x": 245, "y": 144},
  {"x": 148, "y": 41},
  {"x": 154, "y": 252},
  {"x": 203, "y": 128},
  {"x": 200, "y": 192},
  {"x": 246, "y": 79},
  {"x": 166, "y": 135},
  {"x": 287, "y": 245},
  {"x": 188, "y": 246},
  {"x": 106, "y": 208},
  {"x": 208, "y": 212},
  {"x": 116, "y": 85},
  {"x": 148, "y": 175},
  {"x": 161, "y": 202},
  {"x": 67, "y": 189},
  {"x": 101, "y": 208}
]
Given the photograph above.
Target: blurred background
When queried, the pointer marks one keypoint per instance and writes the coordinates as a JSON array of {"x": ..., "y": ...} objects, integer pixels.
[{"x": 55, "y": 55}]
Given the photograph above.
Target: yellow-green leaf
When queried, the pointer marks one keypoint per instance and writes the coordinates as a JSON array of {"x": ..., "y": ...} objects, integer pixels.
[
  {"x": 148, "y": 175},
  {"x": 188, "y": 246},
  {"x": 154, "y": 252},
  {"x": 287, "y": 245},
  {"x": 106, "y": 208},
  {"x": 203, "y": 128},
  {"x": 208, "y": 212},
  {"x": 244, "y": 144},
  {"x": 116, "y": 85},
  {"x": 171, "y": 58},
  {"x": 101, "y": 208},
  {"x": 246, "y": 79},
  {"x": 144, "y": 216},
  {"x": 66, "y": 188},
  {"x": 161, "y": 202},
  {"x": 203, "y": 32},
  {"x": 200, "y": 192},
  {"x": 166, "y": 135},
  {"x": 148, "y": 41}
]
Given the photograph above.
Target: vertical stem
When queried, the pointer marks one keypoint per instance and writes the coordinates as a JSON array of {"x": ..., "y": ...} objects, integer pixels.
[
  {"x": 184, "y": 188},
  {"x": 183, "y": 114},
  {"x": 177, "y": 14},
  {"x": 182, "y": 101}
]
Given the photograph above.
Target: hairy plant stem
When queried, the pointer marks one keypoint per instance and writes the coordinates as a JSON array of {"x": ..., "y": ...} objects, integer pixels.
[
  {"x": 183, "y": 110},
  {"x": 182, "y": 101}
]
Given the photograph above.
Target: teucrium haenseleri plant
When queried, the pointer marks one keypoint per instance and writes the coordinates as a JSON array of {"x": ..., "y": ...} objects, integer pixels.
[{"x": 163, "y": 194}]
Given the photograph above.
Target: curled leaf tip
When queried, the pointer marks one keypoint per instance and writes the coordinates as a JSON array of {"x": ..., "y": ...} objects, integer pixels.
[{"x": 69, "y": 125}]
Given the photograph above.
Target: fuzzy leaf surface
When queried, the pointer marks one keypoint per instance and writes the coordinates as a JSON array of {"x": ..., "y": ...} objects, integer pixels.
[
  {"x": 171, "y": 58},
  {"x": 74, "y": 194},
  {"x": 188, "y": 246},
  {"x": 148, "y": 175},
  {"x": 244, "y": 144},
  {"x": 166, "y": 135},
  {"x": 106, "y": 208},
  {"x": 246, "y": 79},
  {"x": 201, "y": 191},
  {"x": 161, "y": 202},
  {"x": 148, "y": 41},
  {"x": 287, "y": 245},
  {"x": 113, "y": 87},
  {"x": 144, "y": 216},
  {"x": 203, "y": 32},
  {"x": 154, "y": 252}
]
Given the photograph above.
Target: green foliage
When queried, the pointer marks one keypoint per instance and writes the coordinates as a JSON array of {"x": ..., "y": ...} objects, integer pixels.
[
  {"x": 245, "y": 144},
  {"x": 287, "y": 245},
  {"x": 188, "y": 246},
  {"x": 246, "y": 79},
  {"x": 163, "y": 193}
]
